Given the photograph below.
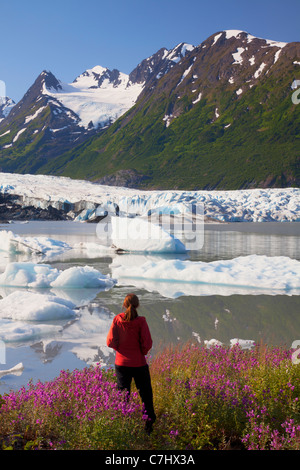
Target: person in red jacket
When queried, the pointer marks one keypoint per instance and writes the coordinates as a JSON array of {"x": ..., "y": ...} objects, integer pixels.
[{"x": 130, "y": 337}]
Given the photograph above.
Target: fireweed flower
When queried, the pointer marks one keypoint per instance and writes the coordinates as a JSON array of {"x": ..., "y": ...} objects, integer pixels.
[{"x": 252, "y": 393}]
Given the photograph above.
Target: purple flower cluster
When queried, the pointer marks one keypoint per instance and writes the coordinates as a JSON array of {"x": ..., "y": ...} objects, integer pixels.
[
  {"x": 251, "y": 393},
  {"x": 80, "y": 395},
  {"x": 204, "y": 397}
]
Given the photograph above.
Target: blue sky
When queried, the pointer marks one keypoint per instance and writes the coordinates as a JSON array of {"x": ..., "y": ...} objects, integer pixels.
[{"x": 70, "y": 36}]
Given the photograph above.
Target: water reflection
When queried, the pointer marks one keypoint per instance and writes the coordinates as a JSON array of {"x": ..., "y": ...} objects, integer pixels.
[
  {"x": 175, "y": 313},
  {"x": 223, "y": 242}
]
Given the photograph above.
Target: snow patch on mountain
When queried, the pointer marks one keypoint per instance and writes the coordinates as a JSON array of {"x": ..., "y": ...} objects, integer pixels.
[
  {"x": 180, "y": 51},
  {"x": 259, "y": 70},
  {"x": 238, "y": 59},
  {"x": 33, "y": 116},
  {"x": 236, "y": 34},
  {"x": 18, "y": 134}
]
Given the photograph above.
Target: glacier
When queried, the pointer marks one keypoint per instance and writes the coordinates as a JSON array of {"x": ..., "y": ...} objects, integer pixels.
[{"x": 85, "y": 200}]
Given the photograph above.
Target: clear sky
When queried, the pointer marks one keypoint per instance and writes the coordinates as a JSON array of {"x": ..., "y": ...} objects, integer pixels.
[{"x": 69, "y": 36}]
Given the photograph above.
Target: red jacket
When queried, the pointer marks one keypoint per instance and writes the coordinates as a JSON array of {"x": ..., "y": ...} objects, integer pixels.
[{"x": 130, "y": 339}]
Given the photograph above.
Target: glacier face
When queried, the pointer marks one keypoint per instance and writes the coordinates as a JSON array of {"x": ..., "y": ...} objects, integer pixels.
[{"x": 87, "y": 200}]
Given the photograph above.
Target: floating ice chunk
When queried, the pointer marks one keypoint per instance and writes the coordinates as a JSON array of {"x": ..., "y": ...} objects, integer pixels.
[
  {"x": 82, "y": 277},
  {"x": 253, "y": 274},
  {"x": 12, "y": 243},
  {"x": 197, "y": 336},
  {"x": 44, "y": 276},
  {"x": 28, "y": 275},
  {"x": 28, "y": 306},
  {"x": 243, "y": 343},
  {"x": 12, "y": 331},
  {"x": 93, "y": 250},
  {"x": 78, "y": 296},
  {"x": 139, "y": 235},
  {"x": 212, "y": 342},
  {"x": 167, "y": 317}
]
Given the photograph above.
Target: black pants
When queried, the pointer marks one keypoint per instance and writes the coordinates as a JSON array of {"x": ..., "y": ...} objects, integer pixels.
[{"x": 141, "y": 376}]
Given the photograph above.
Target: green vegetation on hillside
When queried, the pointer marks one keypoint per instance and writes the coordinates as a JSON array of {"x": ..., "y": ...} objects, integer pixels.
[{"x": 254, "y": 142}]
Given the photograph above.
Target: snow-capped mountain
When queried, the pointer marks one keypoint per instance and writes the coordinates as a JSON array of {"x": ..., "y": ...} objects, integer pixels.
[
  {"x": 6, "y": 105},
  {"x": 53, "y": 116},
  {"x": 213, "y": 113},
  {"x": 222, "y": 117},
  {"x": 99, "y": 96},
  {"x": 38, "y": 126}
]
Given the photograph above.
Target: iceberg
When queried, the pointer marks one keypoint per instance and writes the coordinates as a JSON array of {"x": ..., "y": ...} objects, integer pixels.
[
  {"x": 253, "y": 274},
  {"x": 82, "y": 277},
  {"x": 33, "y": 307},
  {"x": 33, "y": 275},
  {"x": 13, "y": 243},
  {"x": 242, "y": 343},
  {"x": 12, "y": 331},
  {"x": 28, "y": 275},
  {"x": 139, "y": 235}
]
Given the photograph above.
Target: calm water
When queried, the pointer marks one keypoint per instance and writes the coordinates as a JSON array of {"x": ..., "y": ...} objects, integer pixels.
[{"x": 274, "y": 320}]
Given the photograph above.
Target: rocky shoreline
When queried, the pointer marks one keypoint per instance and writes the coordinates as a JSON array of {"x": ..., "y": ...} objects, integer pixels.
[{"x": 12, "y": 209}]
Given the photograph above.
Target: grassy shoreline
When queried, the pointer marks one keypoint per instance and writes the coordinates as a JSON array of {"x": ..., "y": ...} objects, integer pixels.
[{"x": 214, "y": 399}]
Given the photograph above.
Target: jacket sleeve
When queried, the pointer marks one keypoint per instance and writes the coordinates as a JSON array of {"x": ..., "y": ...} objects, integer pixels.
[
  {"x": 112, "y": 339},
  {"x": 145, "y": 338}
]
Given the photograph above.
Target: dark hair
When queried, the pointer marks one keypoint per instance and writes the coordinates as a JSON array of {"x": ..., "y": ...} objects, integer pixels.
[{"x": 131, "y": 303}]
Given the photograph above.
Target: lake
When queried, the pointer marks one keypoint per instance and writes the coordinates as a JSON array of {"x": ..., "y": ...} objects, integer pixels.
[{"x": 173, "y": 318}]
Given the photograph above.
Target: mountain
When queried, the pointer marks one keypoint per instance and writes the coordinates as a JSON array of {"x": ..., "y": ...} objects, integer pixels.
[
  {"x": 221, "y": 118},
  {"x": 54, "y": 117},
  {"x": 6, "y": 105},
  {"x": 215, "y": 116},
  {"x": 38, "y": 127}
]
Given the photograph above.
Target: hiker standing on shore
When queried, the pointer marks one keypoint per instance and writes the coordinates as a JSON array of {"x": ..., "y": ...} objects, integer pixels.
[{"x": 130, "y": 337}]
